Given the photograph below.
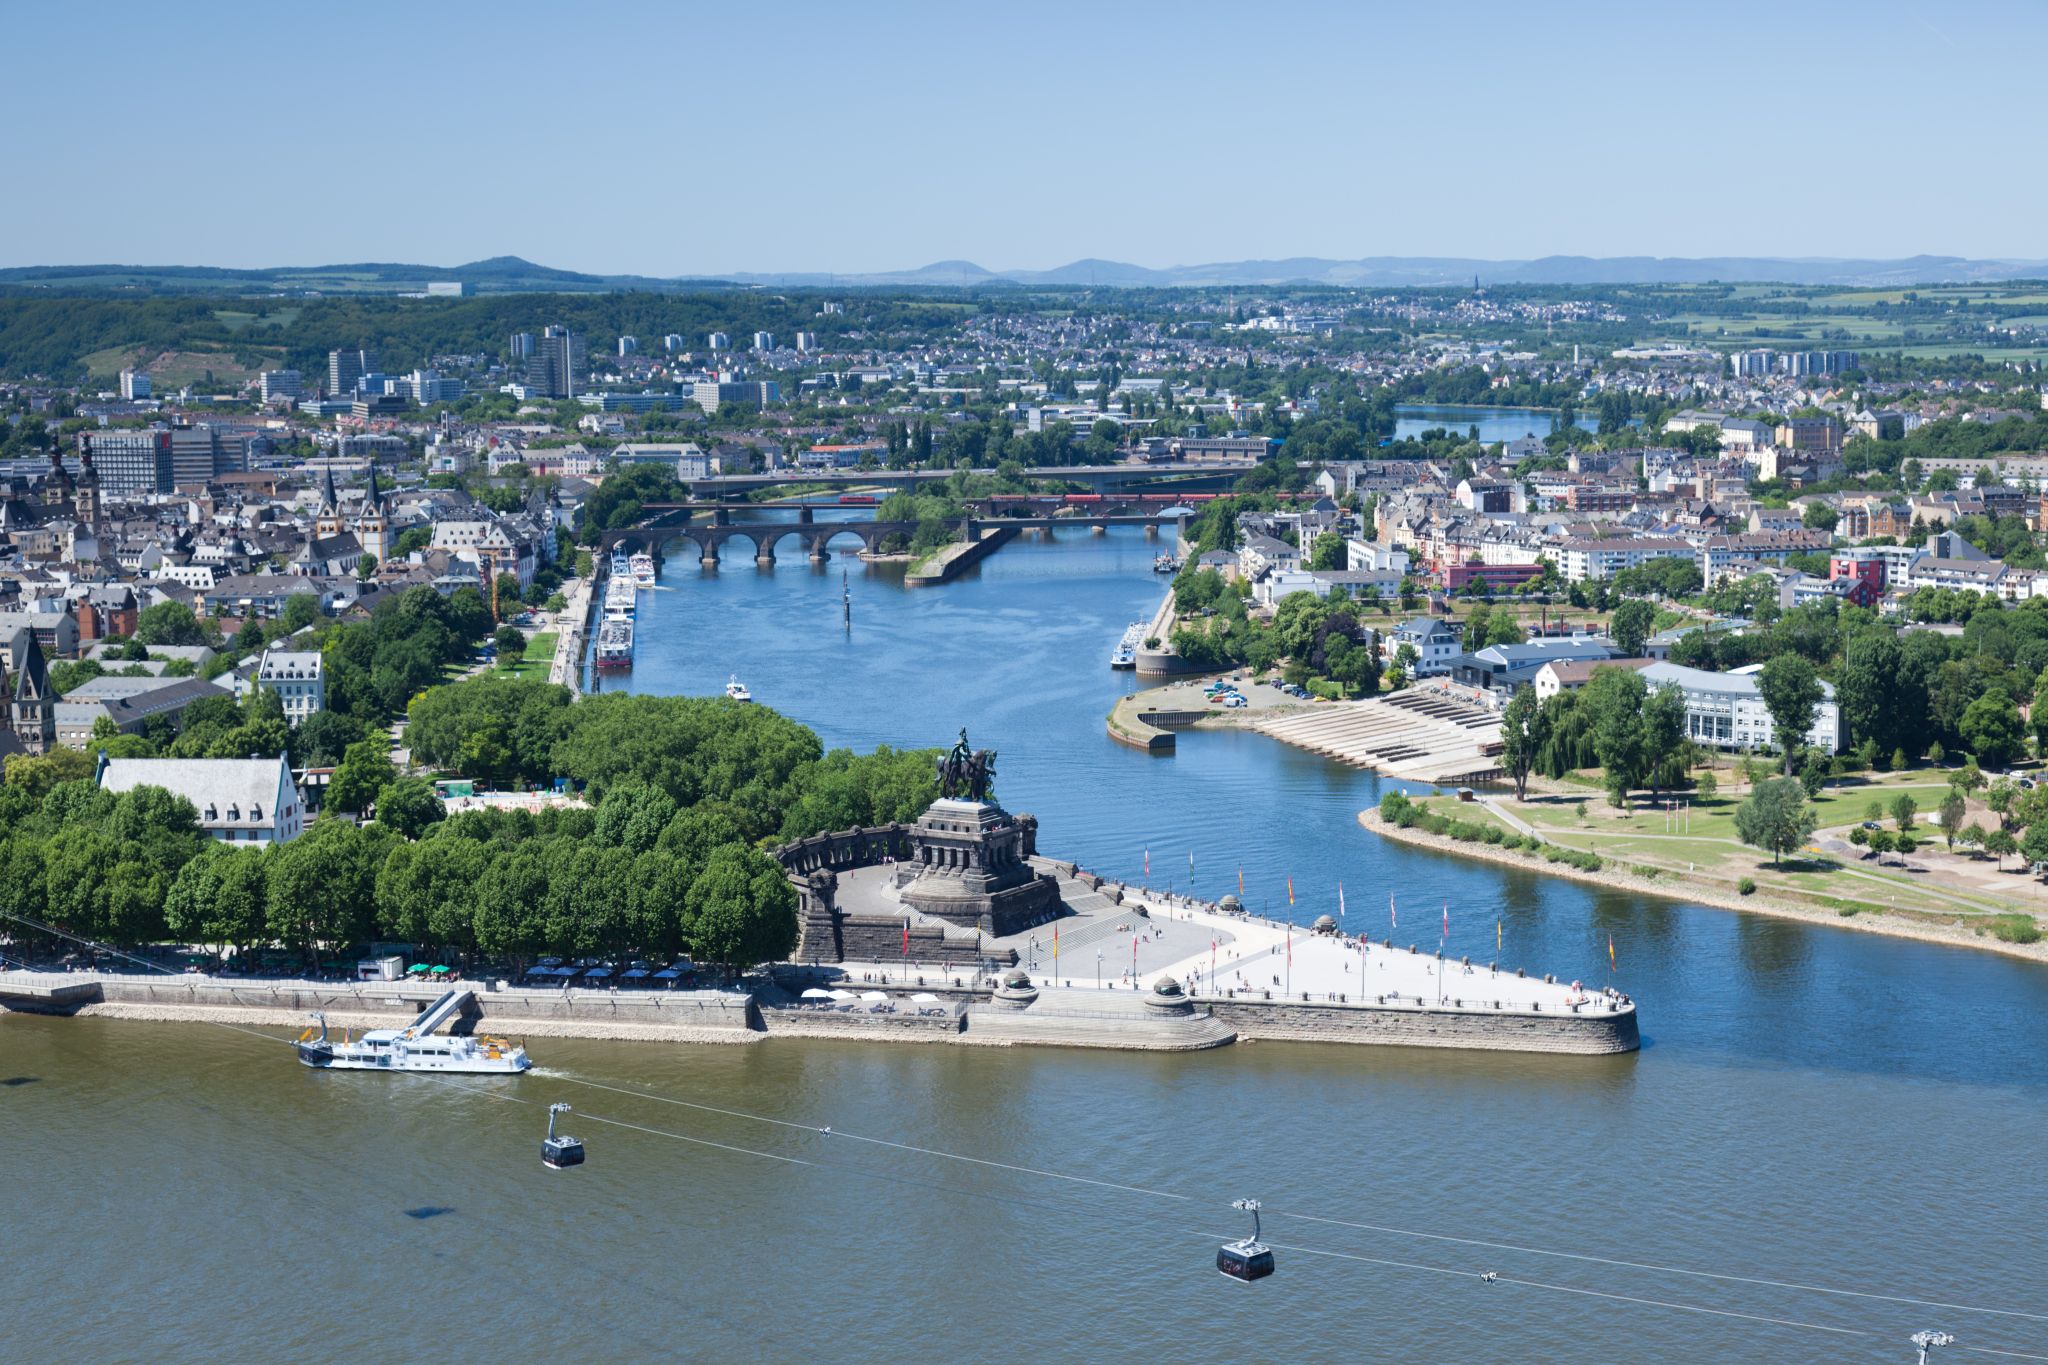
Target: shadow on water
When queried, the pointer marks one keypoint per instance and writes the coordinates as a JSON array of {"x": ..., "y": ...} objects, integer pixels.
[
  {"x": 20, "y": 1080},
  {"x": 426, "y": 1211}
]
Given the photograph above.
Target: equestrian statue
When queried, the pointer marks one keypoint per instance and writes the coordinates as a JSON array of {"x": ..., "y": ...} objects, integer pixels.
[{"x": 965, "y": 773}]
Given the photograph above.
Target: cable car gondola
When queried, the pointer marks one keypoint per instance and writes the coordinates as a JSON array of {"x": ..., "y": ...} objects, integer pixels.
[
  {"x": 559, "y": 1152},
  {"x": 1250, "y": 1259}
]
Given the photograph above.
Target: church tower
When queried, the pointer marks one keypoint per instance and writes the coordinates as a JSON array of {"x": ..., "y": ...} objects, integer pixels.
[
  {"x": 327, "y": 519},
  {"x": 33, "y": 709},
  {"x": 373, "y": 527},
  {"x": 86, "y": 500}
]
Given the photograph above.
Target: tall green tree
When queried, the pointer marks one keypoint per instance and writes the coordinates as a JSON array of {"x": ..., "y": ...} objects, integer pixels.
[
  {"x": 1630, "y": 627},
  {"x": 1792, "y": 693},
  {"x": 1992, "y": 728},
  {"x": 1521, "y": 724},
  {"x": 1775, "y": 817}
]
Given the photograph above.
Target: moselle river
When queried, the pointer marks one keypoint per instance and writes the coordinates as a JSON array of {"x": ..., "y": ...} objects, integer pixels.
[
  {"x": 1495, "y": 424},
  {"x": 1811, "y": 1105}
]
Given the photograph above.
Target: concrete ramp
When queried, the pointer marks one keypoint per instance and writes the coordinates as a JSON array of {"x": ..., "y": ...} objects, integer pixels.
[{"x": 451, "y": 1004}]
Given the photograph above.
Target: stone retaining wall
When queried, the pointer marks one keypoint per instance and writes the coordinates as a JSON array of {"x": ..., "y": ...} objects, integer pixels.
[
  {"x": 394, "y": 1003},
  {"x": 1504, "y": 1031},
  {"x": 894, "y": 1028}
]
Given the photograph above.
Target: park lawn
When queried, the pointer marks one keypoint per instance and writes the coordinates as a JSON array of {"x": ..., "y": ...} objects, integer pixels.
[{"x": 534, "y": 664}]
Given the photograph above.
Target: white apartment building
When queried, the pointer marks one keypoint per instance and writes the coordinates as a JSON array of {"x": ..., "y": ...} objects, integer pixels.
[{"x": 1586, "y": 559}]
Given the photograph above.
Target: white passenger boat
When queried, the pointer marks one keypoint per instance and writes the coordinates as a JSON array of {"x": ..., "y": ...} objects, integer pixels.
[
  {"x": 615, "y": 642},
  {"x": 736, "y": 689},
  {"x": 619, "y": 596},
  {"x": 642, "y": 565},
  {"x": 415, "y": 1047},
  {"x": 622, "y": 565}
]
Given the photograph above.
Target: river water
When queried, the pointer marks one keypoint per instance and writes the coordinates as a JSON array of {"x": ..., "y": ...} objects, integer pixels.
[
  {"x": 1495, "y": 424},
  {"x": 1810, "y": 1105}
]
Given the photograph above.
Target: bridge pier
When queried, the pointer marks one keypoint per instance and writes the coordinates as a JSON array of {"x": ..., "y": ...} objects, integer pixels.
[
  {"x": 764, "y": 559},
  {"x": 1151, "y": 530},
  {"x": 1099, "y": 529},
  {"x": 709, "y": 559}
]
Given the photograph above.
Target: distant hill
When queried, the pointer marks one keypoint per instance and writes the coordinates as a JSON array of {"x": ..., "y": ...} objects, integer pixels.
[{"x": 512, "y": 274}]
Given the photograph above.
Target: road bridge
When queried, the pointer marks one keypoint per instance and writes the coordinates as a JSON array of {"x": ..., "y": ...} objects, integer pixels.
[{"x": 816, "y": 538}]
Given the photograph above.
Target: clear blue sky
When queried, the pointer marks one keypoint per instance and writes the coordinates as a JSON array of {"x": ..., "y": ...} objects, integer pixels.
[{"x": 669, "y": 139}]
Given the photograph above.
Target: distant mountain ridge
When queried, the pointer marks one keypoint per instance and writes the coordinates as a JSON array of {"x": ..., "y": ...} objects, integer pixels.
[
  {"x": 1372, "y": 272},
  {"x": 512, "y": 274}
]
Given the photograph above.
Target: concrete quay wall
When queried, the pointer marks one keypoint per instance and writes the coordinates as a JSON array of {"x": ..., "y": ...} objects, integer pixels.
[
  {"x": 383, "y": 1004},
  {"x": 875, "y": 1027},
  {"x": 1419, "y": 1026},
  {"x": 955, "y": 560}
]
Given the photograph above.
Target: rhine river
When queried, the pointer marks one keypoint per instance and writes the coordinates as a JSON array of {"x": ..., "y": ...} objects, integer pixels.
[{"x": 1810, "y": 1106}]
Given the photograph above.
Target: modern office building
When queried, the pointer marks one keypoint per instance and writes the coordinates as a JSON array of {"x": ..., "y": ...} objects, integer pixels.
[
  {"x": 555, "y": 370},
  {"x": 345, "y": 370},
  {"x": 430, "y": 386},
  {"x": 520, "y": 347},
  {"x": 719, "y": 341},
  {"x": 202, "y": 453},
  {"x": 764, "y": 341},
  {"x": 751, "y": 393},
  {"x": 672, "y": 342},
  {"x": 282, "y": 384},
  {"x": 134, "y": 384},
  {"x": 130, "y": 462},
  {"x": 807, "y": 341},
  {"x": 1726, "y": 711}
]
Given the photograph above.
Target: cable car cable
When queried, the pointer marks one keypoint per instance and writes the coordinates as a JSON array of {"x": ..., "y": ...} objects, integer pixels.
[
  {"x": 833, "y": 1131},
  {"x": 828, "y": 1131}
]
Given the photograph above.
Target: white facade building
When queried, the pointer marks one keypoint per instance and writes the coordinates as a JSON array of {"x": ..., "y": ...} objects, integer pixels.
[
  {"x": 1584, "y": 559},
  {"x": 240, "y": 800},
  {"x": 297, "y": 678},
  {"x": 1726, "y": 711}
]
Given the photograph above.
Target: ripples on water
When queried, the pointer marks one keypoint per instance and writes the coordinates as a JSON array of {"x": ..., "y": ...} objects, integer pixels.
[{"x": 1812, "y": 1104}]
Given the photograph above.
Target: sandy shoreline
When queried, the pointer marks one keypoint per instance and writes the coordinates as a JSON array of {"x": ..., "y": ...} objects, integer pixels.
[{"x": 1613, "y": 877}]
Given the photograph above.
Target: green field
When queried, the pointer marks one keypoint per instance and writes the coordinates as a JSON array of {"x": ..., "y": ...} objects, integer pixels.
[{"x": 1702, "y": 846}]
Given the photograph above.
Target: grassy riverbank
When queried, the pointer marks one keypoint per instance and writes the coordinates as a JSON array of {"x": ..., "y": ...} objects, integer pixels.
[{"x": 1784, "y": 896}]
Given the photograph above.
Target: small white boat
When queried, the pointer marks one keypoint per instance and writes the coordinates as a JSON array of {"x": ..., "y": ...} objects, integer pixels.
[
  {"x": 737, "y": 690},
  {"x": 642, "y": 565},
  {"x": 415, "y": 1047}
]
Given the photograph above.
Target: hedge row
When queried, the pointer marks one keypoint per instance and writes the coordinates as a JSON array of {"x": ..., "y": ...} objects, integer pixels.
[{"x": 1399, "y": 810}]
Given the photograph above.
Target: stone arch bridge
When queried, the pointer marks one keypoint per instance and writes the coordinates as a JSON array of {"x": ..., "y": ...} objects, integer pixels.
[{"x": 815, "y": 538}]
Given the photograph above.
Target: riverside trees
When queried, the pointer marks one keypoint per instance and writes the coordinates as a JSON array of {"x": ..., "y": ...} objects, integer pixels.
[{"x": 687, "y": 791}]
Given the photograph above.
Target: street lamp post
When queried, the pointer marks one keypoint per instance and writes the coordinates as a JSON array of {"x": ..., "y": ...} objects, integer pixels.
[{"x": 1098, "y": 969}]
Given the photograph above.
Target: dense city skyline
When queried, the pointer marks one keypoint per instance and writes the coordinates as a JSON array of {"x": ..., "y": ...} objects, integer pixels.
[{"x": 817, "y": 139}]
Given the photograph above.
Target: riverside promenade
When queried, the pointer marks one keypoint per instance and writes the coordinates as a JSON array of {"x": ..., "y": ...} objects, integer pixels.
[{"x": 1265, "y": 979}]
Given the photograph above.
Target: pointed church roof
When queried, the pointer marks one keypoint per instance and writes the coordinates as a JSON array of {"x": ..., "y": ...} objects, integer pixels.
[
  {"x": 373, "y": 500},
  {"x": 32, "y": 680},
  {"x": 329, "y": 503}
]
